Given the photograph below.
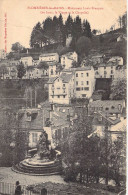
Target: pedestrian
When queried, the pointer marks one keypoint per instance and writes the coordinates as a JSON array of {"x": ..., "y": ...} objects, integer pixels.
[{"x": 18, "y": 190}]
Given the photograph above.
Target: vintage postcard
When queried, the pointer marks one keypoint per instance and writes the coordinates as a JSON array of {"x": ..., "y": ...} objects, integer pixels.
[{"x": 63, "y": 85}]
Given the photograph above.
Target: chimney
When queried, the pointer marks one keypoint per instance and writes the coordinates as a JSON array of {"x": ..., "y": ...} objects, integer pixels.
[{"x": 52, "y": 106}]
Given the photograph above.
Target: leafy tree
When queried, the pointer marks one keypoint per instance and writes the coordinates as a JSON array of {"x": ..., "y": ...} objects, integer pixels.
[
  {"x": 118, "y": 88},
  {"x": 17, "y": 47},
  {"x": 38, "y": 37},
  {"x": 21, "y": 70},
  {"x": 3, "y": 71},
  {"x": 75, "y": 64},
  {"x": 94, "y": 31},
  {"x": 43, "y": 65},
  {"x": 83, "y": 46}
]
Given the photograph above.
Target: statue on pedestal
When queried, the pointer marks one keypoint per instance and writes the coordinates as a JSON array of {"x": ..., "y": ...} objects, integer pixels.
[{"x": 43, "y": 146}]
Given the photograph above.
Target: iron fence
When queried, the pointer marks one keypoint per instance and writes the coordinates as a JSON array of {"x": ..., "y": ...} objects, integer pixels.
[{"x": 9, "y": 189}]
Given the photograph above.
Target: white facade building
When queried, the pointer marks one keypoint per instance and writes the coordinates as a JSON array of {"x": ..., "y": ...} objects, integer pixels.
[
  {"x": 105, "y": 70},
  {"x": 84, "y": 82},
  {"x": 52, "y": 69},
  {"x": 68, "y": 59},
  {"x": 27, "y": 61},
  {"x": 49, "y": 57},
  {"x": 61, "y": 88}
]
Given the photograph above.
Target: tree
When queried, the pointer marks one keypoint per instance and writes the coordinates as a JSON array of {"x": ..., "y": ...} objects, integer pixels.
[
  {"x": 43, "y": 65},
  {"x": 69, "y": 25},
  {"x": 75, "y": 64},
  {"x": 87, "y": 29},
  {"x": 21, "y": 70},
  {"x": 79, "y": 150},
  {"x": 77, "y": 28},
  {"x": 17, "y": 47},
  {"x": 3, "y": 71},
  {"x": 118, "y": 88},
  {"x": 83, "y": 46},
  {"x": 38, "y": 37}
]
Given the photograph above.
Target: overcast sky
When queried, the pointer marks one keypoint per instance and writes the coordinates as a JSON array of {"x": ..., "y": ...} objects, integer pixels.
[{"x": 21, "y": 20}]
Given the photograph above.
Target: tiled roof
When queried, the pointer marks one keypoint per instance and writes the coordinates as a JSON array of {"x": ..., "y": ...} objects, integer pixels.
[
  {"x": 105, "y": 65},
  {"x": 85, "y": 68},
  {"x": 66, "y": 77},
  {"x": 48, "y": 54},
  {"x": 52, "y": 79},
  {"x": 107, "y": 118},
  {"x": 26, "y": 57},
  {"x": 36, "y": 122},
  {"x": 60, "y": 117},
  {"x": 110, "y": 106},
  {"x": 68, "y": 54}
]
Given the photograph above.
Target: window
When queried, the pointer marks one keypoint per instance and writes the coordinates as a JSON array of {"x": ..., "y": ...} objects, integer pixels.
[
  {"x": 53, "y": 92},
  {"x": 63, "y": 85},
  {"x": 83, "y": 95},
  {"x": 52, "y": 85},
  {"x": 111, "y": 71},
  {"x": 111, "y": 67},
  {"x": 87, "y": 74},
  {"x": 76, "y": 74},
  {"x": 105, "y": 72},
  {"x": 76, "y": 82},
  {"x": 86, "y": 88},
  {"x": 78, "y": 89},
  {"x": 82, "y": 83},
  {"x": 64, "y": 91},
  {"x": 87, "y": 82},
  {"x": 51, "y": 71},
  {"x": 34, "y": 137},
  {"x": 82, "y": 74},
  {"x": 63, "y": 96},
  {"x": 104, "y": 67},
  {"x": 58, "y": 96},
  {"x": 106, "y": 108}
]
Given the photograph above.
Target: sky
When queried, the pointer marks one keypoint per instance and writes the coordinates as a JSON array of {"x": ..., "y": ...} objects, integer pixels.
[{"x": 17, "y": 21}]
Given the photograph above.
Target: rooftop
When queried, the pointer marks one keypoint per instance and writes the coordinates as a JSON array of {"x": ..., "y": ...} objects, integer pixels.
[
  {"x": 110, "y": 106},
  {"x": 85, "y": 68},
  {"x": 48, "y": 54}
]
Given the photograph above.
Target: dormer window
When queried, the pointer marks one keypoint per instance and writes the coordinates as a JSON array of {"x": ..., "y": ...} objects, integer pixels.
[
  {"x": 119, "y": 107},
  {"x": 28, "y": 117}
]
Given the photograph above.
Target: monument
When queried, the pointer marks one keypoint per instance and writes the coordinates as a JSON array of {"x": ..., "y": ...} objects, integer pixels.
[{"x": 45, "y": 162}]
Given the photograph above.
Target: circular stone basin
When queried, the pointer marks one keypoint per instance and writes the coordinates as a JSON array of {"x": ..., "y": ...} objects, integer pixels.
[{"x": 33, "y": 161}]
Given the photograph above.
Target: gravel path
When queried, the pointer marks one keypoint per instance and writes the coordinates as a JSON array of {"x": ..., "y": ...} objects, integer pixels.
[{"x": 8, "y": 176}]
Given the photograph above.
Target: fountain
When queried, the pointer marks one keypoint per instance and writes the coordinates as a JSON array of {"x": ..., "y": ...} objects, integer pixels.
[{"x": 44, "y": 162}]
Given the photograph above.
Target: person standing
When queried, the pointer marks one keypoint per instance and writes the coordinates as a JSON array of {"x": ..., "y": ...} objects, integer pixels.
[{"x": 18, "y": 190}]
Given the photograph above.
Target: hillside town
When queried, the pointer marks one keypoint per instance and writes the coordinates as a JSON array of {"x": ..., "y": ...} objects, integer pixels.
[{"x": 83, "y": 113}]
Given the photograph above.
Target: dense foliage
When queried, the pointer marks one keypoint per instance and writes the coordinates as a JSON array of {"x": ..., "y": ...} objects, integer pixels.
[{"x": 54, "y": 30}]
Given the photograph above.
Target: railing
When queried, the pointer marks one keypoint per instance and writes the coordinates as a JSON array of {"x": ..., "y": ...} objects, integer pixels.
[{"x": 9, "y": 189}]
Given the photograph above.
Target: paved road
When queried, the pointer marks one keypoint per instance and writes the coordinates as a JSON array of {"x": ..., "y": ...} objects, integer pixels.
[{"x": 8, "y": 176}]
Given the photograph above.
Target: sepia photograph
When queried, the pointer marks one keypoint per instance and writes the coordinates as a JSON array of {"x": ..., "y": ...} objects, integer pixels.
[{"x": 63, "y": 103}]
